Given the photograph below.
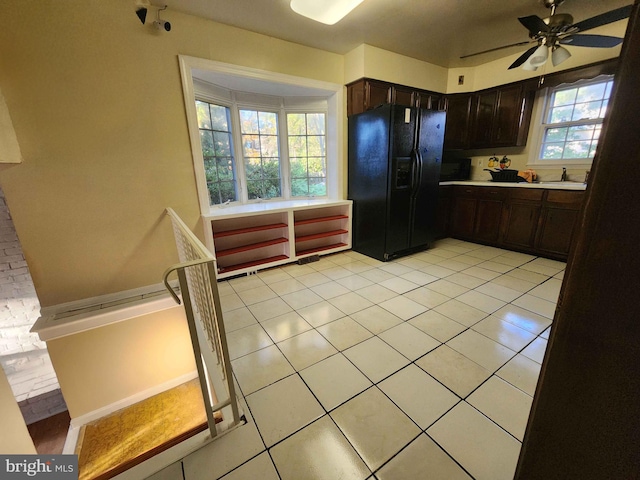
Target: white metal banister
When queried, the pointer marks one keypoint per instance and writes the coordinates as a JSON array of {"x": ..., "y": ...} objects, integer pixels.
[{"x": 199, "y": 291}]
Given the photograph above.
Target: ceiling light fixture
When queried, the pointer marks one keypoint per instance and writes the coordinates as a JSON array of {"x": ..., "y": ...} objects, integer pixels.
[
  {"x": 559, "y": 54},
  {"x": 324, "y": 11},
  {"x": 540, "y": 56}
]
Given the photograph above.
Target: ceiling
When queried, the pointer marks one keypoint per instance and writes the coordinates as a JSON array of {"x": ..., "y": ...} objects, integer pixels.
[{"x": 435, "y": 31}]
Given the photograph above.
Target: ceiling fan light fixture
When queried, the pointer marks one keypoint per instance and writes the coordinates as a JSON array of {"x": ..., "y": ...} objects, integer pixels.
[
  {"x": 324, "y": 11},
  {"x": 540, "y": 56},
  {"x": 559, "y": 55},
  {"x": 528, "y": 67}
]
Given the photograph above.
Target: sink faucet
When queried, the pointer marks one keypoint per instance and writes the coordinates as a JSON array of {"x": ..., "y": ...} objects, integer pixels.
[{"x": 563, "y": 178}]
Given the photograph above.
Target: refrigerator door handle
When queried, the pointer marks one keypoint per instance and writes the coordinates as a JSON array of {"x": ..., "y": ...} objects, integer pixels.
[
  {"x": 415, "y": 169},
  {"x": 420, "y": 165}
]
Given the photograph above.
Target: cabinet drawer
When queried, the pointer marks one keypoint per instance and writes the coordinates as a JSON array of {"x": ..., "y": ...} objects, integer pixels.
[
  {"x": 531, "y": 194},
  {"x": 466, "y": 191},
  {"x": 492, "y": 193},
  {"x": 565, "y": 198}
]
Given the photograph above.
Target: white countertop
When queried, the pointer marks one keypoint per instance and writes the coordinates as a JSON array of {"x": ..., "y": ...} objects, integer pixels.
[{"x": 546, "y": 185}]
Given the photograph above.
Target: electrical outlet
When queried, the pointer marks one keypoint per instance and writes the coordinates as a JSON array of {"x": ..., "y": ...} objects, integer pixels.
[{"x": 480, "y": 162}]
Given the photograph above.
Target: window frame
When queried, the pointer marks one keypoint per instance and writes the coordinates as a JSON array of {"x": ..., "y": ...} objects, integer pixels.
[
  {"x": 328, "y": 96},
  {"x": 545, "y": 98},
  {"x": 283, "y": 143}
]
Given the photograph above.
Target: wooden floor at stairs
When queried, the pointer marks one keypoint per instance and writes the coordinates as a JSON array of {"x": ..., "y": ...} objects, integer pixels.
[{"x": 132, "y": 435}]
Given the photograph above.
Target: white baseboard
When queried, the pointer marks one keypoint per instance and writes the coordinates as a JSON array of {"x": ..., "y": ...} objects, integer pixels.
[{"x": 77, "y": 422}]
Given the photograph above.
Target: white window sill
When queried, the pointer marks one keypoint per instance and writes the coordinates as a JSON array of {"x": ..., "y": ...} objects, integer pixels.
[{"x": 270, "y": 206}]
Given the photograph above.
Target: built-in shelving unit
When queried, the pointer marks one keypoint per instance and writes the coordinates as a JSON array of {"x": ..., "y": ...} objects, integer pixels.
[{"x": 247, "y": 238}]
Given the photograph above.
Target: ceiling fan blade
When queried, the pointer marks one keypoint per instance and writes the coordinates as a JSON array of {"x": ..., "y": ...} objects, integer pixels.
[
  {"x": 519, "y": 44},
  {"x": 534, "y": 24},
  {"x": 524, "y": 57},
  {"x": 597, "y": 41},
  {"x": 603, "y": 19}
]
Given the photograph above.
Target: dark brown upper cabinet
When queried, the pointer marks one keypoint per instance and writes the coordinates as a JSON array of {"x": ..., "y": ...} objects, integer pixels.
[
  {"x": 456, "y": 133},
  {"x": 501, "y": 116},
  {"x": 366, "y": 93}
]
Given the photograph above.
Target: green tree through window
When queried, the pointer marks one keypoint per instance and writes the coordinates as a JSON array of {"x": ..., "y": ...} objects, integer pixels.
[
  {"x": 307, "y": 154},
  {"x": 261, "y": 153},
  {"x": 214, "y": 123}
]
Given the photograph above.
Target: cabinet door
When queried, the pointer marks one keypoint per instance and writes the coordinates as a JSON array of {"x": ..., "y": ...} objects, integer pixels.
[
  {"x": 483, "y": 117},
  {"x": 355, "y": 97},
  {"x": 463, "y": 217},
  {"x": 556, "y": 230},
  {"x": 376, "y": 94},
  {"x": 488, "y": 216},
  {"x": 404, "y": 96},
  {"x": 507, "y": 116},
  {"x": 443, "y": 212},
  {"x": 456, "y": 134},
  {"x": 521, "y": 221}
]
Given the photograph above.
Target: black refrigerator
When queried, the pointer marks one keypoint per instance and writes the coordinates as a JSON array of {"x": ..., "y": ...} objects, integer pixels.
[{"x": 394, "y": 166}]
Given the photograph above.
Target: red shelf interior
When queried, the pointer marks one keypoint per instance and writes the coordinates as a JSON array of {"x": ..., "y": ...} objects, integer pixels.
[
  {"x": 320, "y": 249},
  {"x": 320, "y": 219},
  {"x": 254, "y": 263},
  {"x": 332, "y": 233},
  {"x": 257, "y": 228},
  {"x": 253, "y": 246}
]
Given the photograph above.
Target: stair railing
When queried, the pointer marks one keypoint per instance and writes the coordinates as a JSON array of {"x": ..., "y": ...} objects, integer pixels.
[{"x": 199, "y": 291}]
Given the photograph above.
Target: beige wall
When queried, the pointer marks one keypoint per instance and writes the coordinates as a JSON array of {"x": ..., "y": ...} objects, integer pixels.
[
  {"x": 15, "y": 437},
  {"x": 102, "y": 366},
  {"x": 97, "y": 106}
]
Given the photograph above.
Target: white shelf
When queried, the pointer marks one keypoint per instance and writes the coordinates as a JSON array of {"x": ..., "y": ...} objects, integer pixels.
[{"x": 246, "y": 238}]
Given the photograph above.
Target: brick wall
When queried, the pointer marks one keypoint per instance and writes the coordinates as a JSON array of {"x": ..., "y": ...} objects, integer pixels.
[{"x": 23, "y": 356}]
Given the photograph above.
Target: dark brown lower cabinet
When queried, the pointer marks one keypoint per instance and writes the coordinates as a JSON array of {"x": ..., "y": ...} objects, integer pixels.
[
  {"x": 557, "y": 222},
  {"x": 520, "y": 217},
  {"x": 530, "y": 220}
]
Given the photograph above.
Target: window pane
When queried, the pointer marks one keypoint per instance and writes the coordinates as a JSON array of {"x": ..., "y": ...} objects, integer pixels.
[
  {"x": 222, "y": 141},
  {"x": 249, "y": 121},
  {"x": 204, "y": 120},
  {"x": 210, "y": 171},
  {"x": 225, "y": 169},
  {"x": 561, "y": 114},
  {"x": 307, "y": 154},
  {"x": 251, "y": 145},
  {"x": 315, "y": 124},
  {"x": 296, "y": 124},
  {"x": 590, "y": 92},
  {"x": 297, "y": 146},
  {"x": 317, "y": 167},
  {"x": 577, "y": 150},
  {"x": 555, "y": 135},
  {"x": 552, "y": 150},
  {"x": 253, "y": 169},
  {"x": 584, "y": 111},
  {"x": 580, "y": 132},
  {"x": 603, "y": 110},
  {"x": 268, "y": 123},
  {"x": 316, "y": 146},
  {"x": 317, "y": 187},
  {"x": 299, "y": 187},
  {"x": 298, "y": 167},
  {"x": 206, "y": 139},
  {"x": 270, "y": 168},
  {"x": 269, "y": 146},
  {"x": 217, "y": 152},
  {"x": 565, "y": 97},
  {"x": 592, "y": 151},
  {"x": 219, "y": 119}
]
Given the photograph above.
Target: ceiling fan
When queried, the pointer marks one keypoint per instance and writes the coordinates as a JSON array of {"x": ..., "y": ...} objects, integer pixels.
[{"x": 558, "y": 29}]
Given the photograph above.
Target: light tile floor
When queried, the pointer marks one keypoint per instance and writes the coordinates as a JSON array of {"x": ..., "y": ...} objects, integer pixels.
[{"x": 351, "y": 368}]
